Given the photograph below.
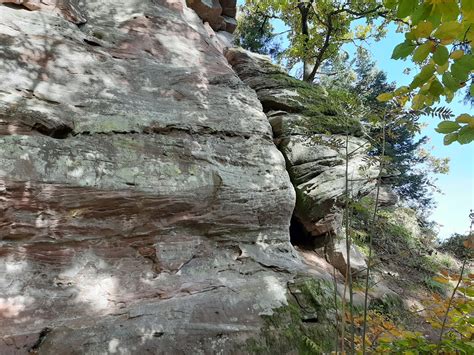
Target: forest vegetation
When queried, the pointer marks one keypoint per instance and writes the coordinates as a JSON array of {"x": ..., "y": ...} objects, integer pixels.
[{"x": 438, "y": 43}]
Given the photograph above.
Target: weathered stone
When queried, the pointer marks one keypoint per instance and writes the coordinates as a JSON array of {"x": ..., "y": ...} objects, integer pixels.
[
  {"x": 69, "y": 9},
  {"x": 301, "y": 115},
  {"x": 229, "y": 11},
  {"x": 143, "y": 204},
  {"x": 209, "y": 11},
  {"x": 230, "y": 24},
  {"x": 386, "y": 197},
  {"x": 337, "y": 254},
  {"x": 226, "y": 40}
]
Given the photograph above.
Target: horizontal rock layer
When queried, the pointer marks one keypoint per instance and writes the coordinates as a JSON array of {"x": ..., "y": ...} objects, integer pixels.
[
  {"x": 143, "y": 204},
  {"x": 309, "y": 133}
]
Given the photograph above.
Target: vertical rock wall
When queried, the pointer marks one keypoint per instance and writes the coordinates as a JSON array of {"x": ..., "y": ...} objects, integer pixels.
[
  {"x": 143, "y": 205},
  {"x": 310, "y": 135}
]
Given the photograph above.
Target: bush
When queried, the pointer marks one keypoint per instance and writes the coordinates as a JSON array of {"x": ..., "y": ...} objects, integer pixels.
[{"x": 456, "y": 245}]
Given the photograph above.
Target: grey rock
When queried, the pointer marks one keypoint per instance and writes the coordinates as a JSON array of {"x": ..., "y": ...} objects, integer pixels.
[
  {"x": 337, "y": 254},
  {"x": 316, "y": 160},
  {"x": 230, "y": 24},
  {"x": 209, "y": 11},
  {"x": 386, "y": 197},
  {"x": 143, "y": 204}
]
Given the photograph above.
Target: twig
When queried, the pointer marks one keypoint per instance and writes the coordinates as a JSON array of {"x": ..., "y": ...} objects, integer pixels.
[
  {"x": 449, "y": 306},
  {"x": 372, "y": 227}
]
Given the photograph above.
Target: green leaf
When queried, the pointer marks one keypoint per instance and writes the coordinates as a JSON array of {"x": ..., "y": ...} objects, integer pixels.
[
  {"x": 467, "y": 61},
  {"x": 450, "y": 138},
  {"x": 447, "y": 127},
  {"x": 406, "y": 8},
  {"x": 421, "y": 13},
  {"x": 426, "y": 73},
  {"x": 449, "y": 30},
  {"x": 449, "y": 81},
  {"x": 449, "y": 10},
  {"x": 459, "y": 71},
  {"x": 471, "y": 90},
  {"x": 466, "y": 135},
  {"x": 403, "y": 50},
  {"x": 390, "y": 4},
  {"x": 422, "y": 52},
  {"x": 436, "y": 88},
  {"x": 385, "y": 97},
  {"x": 441, "y": 55},
  {"x": 465, "y": 118}
]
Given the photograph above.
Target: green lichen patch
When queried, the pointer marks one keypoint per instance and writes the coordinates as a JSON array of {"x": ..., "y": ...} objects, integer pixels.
[
  {"x": 306, "y": 325},
  {"x": 314, "y": 103}
]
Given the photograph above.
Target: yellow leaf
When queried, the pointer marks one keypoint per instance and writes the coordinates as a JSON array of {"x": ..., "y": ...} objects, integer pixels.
[
  {"x": 418, "y": 101},
  {"x": 465, "y": 118},
  {"x": 423, "y": 29},
  {"x": 385, "y": 97},
  {"x": 449, "y": 30},
  {"x": 442, "y": 68},
  {"x": 457, "y": 54},
  {"x": 441, "y": 279}
]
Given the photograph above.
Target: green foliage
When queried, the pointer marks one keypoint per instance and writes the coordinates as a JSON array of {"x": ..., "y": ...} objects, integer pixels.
[
  {"x": 410, "y": 166},
  {"x": 316, "y": 29},
  {"x": 438, "y": 38},
  {"x": 289, "y": 330},
  {"x": 435, "y": 286},
  {"x": 456, "y": 245},
  {"x": 256, "y": 33}
]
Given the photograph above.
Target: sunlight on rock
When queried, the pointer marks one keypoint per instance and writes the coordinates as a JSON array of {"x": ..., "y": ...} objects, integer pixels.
[
  {"x": 274, "y": 297},
  {"x": 12, "y": 306},
  {"x": 261, "y": 241},
  {"x": 149, "y": 334},
  {"x": 97, "y": 291},
  {"x": 113, "y": 346}
]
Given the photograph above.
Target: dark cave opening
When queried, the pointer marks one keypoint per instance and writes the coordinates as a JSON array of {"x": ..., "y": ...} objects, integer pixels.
[{"x": 299, "y": 236}]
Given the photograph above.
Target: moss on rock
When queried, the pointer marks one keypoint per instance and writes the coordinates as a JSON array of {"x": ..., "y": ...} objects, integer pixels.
[{"x": 306, "y": 325}]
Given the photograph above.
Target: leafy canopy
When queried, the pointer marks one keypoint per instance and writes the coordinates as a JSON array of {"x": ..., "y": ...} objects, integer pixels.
[
  {"x": 317, "y": 28},
  {"x": 438, "y": 39}
]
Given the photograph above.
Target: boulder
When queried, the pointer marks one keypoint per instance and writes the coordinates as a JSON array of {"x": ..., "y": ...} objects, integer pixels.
[
  {"x": 386, "y": 197},
  {"x": 337, "y": 255}
]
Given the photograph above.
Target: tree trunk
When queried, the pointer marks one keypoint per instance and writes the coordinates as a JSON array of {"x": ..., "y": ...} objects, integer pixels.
[{"x": 307, "y": 66}]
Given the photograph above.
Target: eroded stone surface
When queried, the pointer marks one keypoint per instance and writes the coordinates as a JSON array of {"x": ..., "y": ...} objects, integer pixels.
[
  {"x": 143, "y": 204},
  {"x": 316, "y": 160},
  {"x": 220, "y": 14}
]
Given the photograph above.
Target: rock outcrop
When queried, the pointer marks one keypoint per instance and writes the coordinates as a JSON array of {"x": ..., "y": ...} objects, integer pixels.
[
  {"x": 220, "y": 14},
  {"x": 143, "y": 205},
  {"x": 308, "y": 132}
]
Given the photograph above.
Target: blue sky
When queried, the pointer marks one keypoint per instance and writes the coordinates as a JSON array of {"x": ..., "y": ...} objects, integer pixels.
[{"x": 457, "y": 187}]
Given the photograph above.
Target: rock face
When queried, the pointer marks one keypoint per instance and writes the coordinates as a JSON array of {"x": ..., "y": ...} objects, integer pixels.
[
  {"x": 143, "y": 204},
  {"x": 316, "y": 161},
  {"x": 337, "y": 255},
  {"x": 220, "y": 14}
]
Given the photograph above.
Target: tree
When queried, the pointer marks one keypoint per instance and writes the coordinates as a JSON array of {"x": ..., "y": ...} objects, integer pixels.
[
  {"x": 317, "y": 29},
  {"x": 438, "y": 39},
  {"x": 410, "y": 166},
  {"x": 256, "y": 33}
]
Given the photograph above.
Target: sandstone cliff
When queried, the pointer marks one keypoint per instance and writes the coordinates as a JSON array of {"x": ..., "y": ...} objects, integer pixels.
[{"x": 144, "y": 207}]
